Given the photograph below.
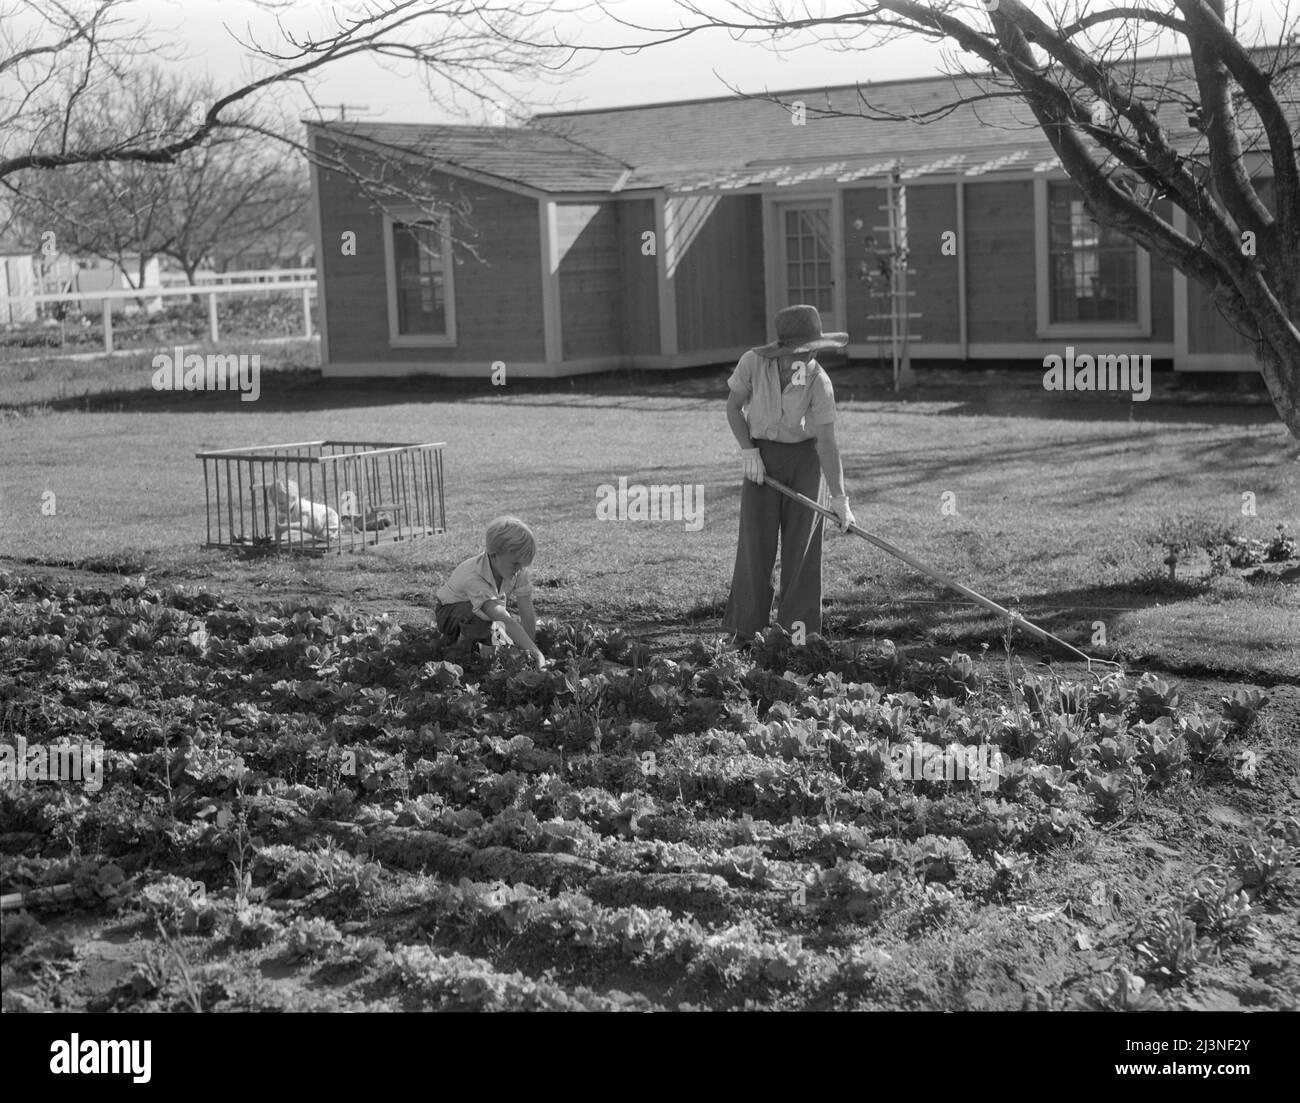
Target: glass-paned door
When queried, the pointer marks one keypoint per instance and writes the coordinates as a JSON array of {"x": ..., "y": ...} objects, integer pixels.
[{"x": 807, "y": 257}]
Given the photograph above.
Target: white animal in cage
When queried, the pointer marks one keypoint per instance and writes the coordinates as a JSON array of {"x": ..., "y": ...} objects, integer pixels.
[{"x": 295, "y": 512}]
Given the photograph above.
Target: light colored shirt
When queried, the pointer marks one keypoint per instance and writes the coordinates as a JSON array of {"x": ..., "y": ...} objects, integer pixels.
[
  {"x": 472, "y": 581},
  {"x": 791, "y": 415}
]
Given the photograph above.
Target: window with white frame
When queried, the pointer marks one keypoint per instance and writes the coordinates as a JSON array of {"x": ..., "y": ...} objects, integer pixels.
[
  {"x": 421, "y": 300},
  {"x": 1093, "y": 270}
]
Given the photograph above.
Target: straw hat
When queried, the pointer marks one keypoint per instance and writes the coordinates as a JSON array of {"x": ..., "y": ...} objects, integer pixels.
[{"x": 799, "y": 330}]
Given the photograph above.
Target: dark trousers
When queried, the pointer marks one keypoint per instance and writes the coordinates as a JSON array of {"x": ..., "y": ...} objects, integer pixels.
[
  {"x": 459, "y": 623},
  {"x": 765, "y": 514}
]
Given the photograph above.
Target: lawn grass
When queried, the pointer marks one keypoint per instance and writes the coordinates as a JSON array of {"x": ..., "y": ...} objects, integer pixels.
[{"x": 1055, "y": 512}]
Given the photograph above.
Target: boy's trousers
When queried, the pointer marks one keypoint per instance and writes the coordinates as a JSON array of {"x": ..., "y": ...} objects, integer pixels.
[
  {"x": 459, "y": 624},
  {"x": 766, "y": 513}
]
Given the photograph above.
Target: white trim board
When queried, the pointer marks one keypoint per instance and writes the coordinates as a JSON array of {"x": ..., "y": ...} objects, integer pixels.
[
  {"x": 667, "y": 283},
  {"x": 549, "y": 249},
  {"x": 1181, "y": 321},
  {"x": 318, "y": 233}
]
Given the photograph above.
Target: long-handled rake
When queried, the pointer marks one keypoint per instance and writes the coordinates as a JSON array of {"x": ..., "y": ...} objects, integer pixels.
[{"x": 1009, "y": 615}]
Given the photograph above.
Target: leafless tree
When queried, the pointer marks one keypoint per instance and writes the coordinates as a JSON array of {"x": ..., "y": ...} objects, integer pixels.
[
  {"x": 1242, "y": 243},
  {"x": 61, "y": 61},
  {"x": 225, "y": 191}
]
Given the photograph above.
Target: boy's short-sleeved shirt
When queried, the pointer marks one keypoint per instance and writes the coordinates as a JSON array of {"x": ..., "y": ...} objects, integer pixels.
[
  {"x": 472, "y": 581},
  {"x": 789, "y": 416}
]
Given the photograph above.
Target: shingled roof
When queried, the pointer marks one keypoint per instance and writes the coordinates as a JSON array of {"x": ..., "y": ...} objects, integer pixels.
[
  {"x": 521, "y": 155},
  {"x": 716, "y": 143},
  {"x": 679, "y": 145}
]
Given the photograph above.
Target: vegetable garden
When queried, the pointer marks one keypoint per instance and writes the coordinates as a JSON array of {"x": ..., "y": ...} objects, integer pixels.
[{"x": 309, "y": 809}]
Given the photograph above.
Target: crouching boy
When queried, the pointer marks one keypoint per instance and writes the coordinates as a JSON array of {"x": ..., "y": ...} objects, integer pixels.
[{"x": 477, "y": 592}]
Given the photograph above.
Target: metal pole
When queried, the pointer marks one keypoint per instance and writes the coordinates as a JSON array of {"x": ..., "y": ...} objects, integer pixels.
[
  {"x": 207, "y": 498},
  {"x": 931, "y": 572},
  {"x": 905, "y": 323},
  {"x": 892, "y": 204}
]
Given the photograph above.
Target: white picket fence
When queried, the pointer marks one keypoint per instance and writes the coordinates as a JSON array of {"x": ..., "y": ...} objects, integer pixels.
[{"x": 293, "y": 282}]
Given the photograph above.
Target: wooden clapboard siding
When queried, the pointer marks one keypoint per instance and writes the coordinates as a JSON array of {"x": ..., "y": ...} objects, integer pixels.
[
  {"x": 1001, "y": 294},
  {"x": 639, "y": 276},
  {"x": 1162, "y": 287},
  {"x": 498, "y": 299},
  {"x": 591, "y": 297},
  {"x": 719, "y": 276},
  {"x": 1208, "y": 331},
  {"x": 932, "y": 210},
  {"x": 860, "y": 204}
]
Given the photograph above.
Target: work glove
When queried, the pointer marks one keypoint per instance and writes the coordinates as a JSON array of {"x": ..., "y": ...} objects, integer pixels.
[
  {"x": 753, "y": 464},
  {"x": 841, "y": 507}
]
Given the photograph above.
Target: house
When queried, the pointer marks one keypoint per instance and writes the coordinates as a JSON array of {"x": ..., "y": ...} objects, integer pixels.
[
  {"x": 25, "y": 272},
  {"x": 667, "y": 235},
  {"x": 17, "y": 282}
]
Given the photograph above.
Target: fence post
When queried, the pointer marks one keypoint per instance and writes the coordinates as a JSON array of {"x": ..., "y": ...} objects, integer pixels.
[
  {"x": 212, "y": 316},
  {"x": 108, "y": 325},
  {"x": 306, "y": 311}
]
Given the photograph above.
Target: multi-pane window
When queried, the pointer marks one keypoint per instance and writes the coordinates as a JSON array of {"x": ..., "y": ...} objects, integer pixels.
[
  {"x": 808, "y": 258},
  {"x": 1094, "y": 269},
  {"x": 421, "y": 279}
]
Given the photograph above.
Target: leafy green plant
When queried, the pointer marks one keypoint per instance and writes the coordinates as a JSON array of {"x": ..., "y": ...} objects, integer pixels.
[
  {"x": 1051, "y": 784},
  {"x": 1110, "y": 789},
  {"x": 1162, "y": 753},
  {"x": 1264, "y": 866},
  {"x": 178, "y": 906},
  {"x": 1011, "y": 873},
  {"x": 255, "y": 925},
  {"x": 961, "y": 673},
  {"x": 1169, "y": 948},
  {"x": 310, "y": 937},
  {"x": 1243, "y": 706},
  {"x": 1156, "y": 697},
  {"x": 1204, "y": 736},
  {"x": 1115, "y": 747},
  {"x": 1220, "y": 913},
  {"x": 1282, "y": 547},
  {"x": 1066, "y": 741},
  {"x": 1111, "y": 694},
  {"x": 1122, "y": 990}
]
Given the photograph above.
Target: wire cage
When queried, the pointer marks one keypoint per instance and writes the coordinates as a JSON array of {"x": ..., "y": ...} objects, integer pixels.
[{"x": 323, "y": 495}]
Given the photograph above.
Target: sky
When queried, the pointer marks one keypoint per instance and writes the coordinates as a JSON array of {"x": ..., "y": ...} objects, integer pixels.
[{"x": 200, "y": 40}]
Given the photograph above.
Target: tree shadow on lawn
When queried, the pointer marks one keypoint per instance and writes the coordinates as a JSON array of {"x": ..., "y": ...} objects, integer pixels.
[
  {"x": 291, "y": 391},
  {"x": 1050, "y": 406},
  {"x": 1069, "y": 613},
  {"x": 934, "y": 627},
  {"x": 983, "y": 391},
  {"x": 1178, "y": 465},
  {"x": 1174, "y": 457}
]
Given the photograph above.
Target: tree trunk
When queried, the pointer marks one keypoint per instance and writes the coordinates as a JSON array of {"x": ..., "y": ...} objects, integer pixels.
[
  {"x": 190, "y": 267},
  {"x": 1283, "y": 379}
]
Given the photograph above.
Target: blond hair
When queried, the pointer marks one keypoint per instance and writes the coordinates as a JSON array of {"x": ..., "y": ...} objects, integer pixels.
[{"x": 510, "y": 536}]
